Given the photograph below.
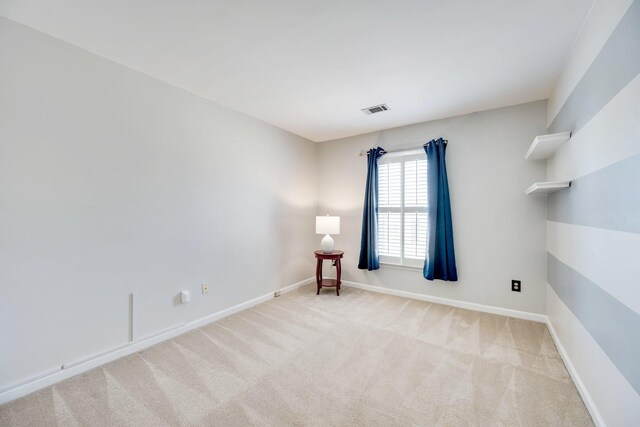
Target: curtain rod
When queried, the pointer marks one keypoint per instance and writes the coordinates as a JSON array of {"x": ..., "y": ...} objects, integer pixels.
[{"x": 364, "y": 152}]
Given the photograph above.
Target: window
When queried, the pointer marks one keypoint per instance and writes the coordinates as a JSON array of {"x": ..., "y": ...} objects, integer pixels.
[{"x": 402, "y": 208}]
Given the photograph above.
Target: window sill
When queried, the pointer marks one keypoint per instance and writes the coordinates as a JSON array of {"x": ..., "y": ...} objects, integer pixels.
[{"x": 400, "y": 266}]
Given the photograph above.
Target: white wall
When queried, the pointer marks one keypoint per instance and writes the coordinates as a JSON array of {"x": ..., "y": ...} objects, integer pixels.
[
  {"x": 112, "y": 182},
  {"x": 499, "y": 232}
]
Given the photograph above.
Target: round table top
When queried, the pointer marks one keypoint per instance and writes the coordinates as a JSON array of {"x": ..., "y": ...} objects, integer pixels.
[{"x": 335, "y": 254}]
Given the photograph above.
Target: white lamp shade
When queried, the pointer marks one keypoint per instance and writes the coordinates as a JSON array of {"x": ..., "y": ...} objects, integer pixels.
[{"x": 327, "y": 224}]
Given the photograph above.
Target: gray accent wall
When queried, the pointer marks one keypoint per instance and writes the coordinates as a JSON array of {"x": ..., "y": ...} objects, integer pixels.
[
  {"x": 608, "y": 198},
  {"x": 612, "y": 324},
  {"x": 592, "y": 299},
  {"x": 615, "y": 66}
]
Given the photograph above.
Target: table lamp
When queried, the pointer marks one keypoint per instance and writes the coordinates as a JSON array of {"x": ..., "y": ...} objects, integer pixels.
[{"x": 327, "y": 225}]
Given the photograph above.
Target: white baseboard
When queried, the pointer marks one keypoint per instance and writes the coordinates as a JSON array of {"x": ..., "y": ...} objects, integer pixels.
[
  {"x": 447, "y": 301},
  {"x": 295, "y": 286},
  {"x": 45, "y": 379},
  {"x": 586, "y": 397}
]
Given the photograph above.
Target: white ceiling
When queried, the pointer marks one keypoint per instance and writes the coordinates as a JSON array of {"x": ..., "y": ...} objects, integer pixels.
[{"x": 309, "y": 66}]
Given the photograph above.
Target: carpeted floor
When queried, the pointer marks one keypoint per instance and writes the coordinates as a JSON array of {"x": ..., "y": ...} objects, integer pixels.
[{"x": 361, "y": 359}]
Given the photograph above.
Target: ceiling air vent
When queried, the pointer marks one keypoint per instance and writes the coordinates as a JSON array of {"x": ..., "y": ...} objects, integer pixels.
[{"x": 375, "y": 109}]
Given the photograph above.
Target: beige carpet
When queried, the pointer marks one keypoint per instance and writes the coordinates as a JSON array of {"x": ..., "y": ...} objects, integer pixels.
[{"x": 361, "y": 359}]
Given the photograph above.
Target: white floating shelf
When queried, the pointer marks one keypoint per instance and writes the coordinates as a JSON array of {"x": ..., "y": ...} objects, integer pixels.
[
  {"x": 547, "y": 187},
  {"x": 543, "y": 146}
]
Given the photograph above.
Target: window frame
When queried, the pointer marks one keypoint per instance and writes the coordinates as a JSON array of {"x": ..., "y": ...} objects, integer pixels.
[{"x": 402, "y": 261}]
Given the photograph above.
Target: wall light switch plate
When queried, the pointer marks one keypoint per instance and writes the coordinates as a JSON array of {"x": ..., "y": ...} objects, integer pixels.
[{"x": 205, "y": 288}]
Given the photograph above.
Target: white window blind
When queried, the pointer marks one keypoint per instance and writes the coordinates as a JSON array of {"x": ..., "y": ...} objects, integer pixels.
[{"x": 402, "y": 209}]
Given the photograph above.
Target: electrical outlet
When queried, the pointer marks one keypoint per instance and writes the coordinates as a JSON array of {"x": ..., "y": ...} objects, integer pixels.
[
  {"x": 205, "y": 288},
  {"x": 185, "y": 297},
  {"x": 516, "y": 285}
]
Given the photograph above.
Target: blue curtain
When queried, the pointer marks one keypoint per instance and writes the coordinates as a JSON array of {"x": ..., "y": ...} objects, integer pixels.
[
  {"x": 440, "y": 262},
  {"x": 369, "y": 245}
]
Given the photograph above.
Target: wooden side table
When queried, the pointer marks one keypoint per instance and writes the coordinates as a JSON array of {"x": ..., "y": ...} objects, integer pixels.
[{"x": 328, "y": 283}]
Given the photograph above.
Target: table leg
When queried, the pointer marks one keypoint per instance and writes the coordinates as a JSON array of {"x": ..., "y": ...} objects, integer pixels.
[
  {"x": 338, "y": 273},
  {"x": 318, "y": 276}
]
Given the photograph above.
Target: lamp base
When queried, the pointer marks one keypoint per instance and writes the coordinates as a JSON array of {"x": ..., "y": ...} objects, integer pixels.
[{"x": 327, "y": 244}]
